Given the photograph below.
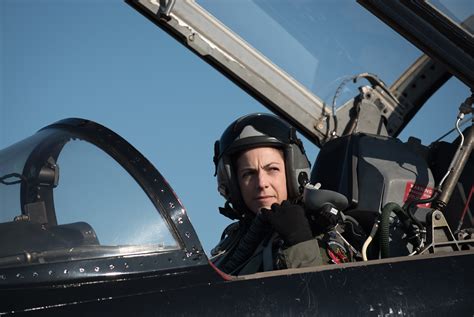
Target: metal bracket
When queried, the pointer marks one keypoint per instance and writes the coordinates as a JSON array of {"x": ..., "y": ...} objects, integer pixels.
[
  {"x": 367, "y": 113},
  {"x": 440, "y": 237}
]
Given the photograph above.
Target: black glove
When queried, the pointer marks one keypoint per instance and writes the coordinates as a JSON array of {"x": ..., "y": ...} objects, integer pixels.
[{"x": 289, "y": 221}]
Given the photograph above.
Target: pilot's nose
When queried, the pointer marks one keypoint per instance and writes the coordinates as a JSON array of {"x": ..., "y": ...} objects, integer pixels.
[{"x": 262, "y": 179}]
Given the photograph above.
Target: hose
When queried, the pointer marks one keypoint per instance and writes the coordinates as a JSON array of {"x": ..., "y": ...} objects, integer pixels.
[
  {"x": 369, "y": 240},
  {"x": 406, "y": 220},
  {"x": 415, "y": 202},
  {"x": 385, "y": 229},
  {"x": 247, "y": 245}
]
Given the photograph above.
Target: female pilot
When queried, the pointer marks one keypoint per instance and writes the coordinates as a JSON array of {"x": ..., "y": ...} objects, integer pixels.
[{"x": 261, "y": 169}]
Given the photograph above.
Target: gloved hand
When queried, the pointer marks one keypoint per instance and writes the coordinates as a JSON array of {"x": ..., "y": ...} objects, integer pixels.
[{"x": 289, "y": 221}]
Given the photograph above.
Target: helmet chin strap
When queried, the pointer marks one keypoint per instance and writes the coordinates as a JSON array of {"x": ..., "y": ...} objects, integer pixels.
[{"x": 230, "y": 212}]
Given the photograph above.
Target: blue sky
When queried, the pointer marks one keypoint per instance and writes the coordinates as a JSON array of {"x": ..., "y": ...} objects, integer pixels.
[{"x": 103, "y": 61}]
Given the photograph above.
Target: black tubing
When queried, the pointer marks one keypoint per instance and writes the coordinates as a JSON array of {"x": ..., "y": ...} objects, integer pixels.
[
  {"x": 385, "y": 226},
  {"x": 247, "y": 245},
  {"x": 384, "y": 230},
  {"x": 415, "y": 202}
]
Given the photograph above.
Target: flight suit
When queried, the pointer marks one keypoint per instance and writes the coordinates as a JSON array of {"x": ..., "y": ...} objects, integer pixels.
[
  {"x": 265, "y": 255},
  {"x": 269, "y": 252}
]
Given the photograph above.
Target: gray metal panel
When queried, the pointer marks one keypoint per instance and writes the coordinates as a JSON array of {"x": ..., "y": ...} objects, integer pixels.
[{"x": 397, "y": 165}]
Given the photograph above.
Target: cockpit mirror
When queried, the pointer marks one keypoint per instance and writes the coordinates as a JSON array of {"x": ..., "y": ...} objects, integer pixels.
[{"x": 48, "y": 175}]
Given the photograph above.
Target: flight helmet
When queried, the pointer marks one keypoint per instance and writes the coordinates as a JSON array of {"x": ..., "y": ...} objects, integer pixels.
[{"x": 252, "y": 131}]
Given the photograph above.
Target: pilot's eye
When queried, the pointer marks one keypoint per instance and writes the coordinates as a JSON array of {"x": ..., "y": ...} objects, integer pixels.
[
  {"x": 246, "y": 174},
  {"x": 274, "y": 169}
]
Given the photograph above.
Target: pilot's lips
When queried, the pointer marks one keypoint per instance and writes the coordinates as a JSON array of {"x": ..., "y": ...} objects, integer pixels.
[{"x": 265, "y": 200}]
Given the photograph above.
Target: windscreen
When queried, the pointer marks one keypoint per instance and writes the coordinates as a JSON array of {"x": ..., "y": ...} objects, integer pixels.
[
  {"x": 63, "y": 198},
  {"x": 96, "y": 188},
  {"x": 12, "y": 162},
  {"x": 319, "y": 43}
]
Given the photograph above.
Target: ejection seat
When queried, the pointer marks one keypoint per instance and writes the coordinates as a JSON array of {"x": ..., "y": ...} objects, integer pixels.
[{"x": 371, "y": 171}]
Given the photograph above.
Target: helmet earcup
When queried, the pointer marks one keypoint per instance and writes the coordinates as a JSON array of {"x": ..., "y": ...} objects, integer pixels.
[
  {"x": 228, "y": 185},
  {"x": 298, "y": 169},
  {"x": 223, "y": 179}
]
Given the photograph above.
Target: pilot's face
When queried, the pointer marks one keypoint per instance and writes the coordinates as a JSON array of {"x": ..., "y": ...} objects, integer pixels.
[{"x": 262, "y": 177}]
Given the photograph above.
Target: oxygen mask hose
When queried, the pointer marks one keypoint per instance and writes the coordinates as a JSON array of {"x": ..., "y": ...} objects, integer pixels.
[{"x": 250, "y": 241}]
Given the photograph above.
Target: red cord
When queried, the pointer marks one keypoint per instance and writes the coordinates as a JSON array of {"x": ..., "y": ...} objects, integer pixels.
[
  {"x": 224, "y": 275},
  {"x": 467, "y": 206}
]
